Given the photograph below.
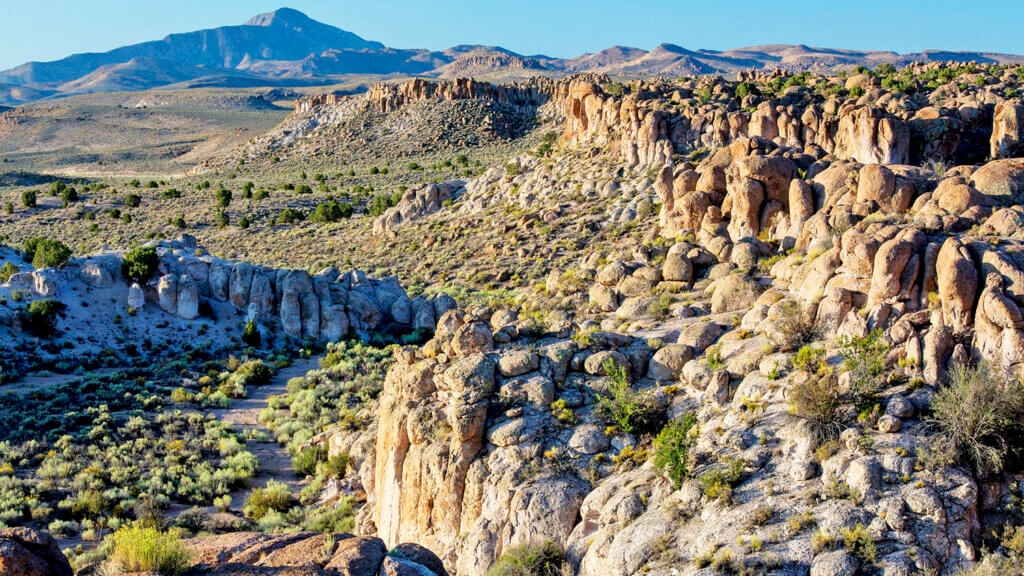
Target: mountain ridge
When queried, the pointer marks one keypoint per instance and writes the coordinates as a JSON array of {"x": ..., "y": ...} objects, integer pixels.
[{"x": 287, "y": 45}]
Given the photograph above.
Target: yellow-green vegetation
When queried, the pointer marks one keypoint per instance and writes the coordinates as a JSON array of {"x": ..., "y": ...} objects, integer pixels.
[
  {"x": 672, "y": 448},
  {"x": 136, "y": 548},
  {"x": 532, "y": 559},
  {"x": 978, "y": 415},
  {"x": 621, "y": 406},
  {"x": 718, "y": 481}
]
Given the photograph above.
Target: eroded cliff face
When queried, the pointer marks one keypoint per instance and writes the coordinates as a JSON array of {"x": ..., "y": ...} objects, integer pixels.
[
  {"x": 439, "y": 475},
  {"x": 489, "y": 435}
]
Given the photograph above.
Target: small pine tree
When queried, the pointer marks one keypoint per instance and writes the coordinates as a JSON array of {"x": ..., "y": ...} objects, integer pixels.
[{"x": 251, "y": 334}]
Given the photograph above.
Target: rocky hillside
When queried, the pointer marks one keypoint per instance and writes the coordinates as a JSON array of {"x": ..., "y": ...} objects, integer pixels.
[{"x": 769, "y": 325}]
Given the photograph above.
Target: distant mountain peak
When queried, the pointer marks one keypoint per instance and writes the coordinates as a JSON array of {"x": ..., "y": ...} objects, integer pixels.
[{"x": 285, "y": 17}]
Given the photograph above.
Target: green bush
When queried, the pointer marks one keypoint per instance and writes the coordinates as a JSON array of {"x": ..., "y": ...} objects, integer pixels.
[
  {"x": 9, "y": 269},
  {"x": 816, "y": 400},
  {"x": 621, "y": 406},
  {"x": 808, "y": 358},
  {"x": 68, "y": 195},
  {"x": 864, "y": 358},
  {"x": 379, "y": 204},
  {"x": 132, "y": 200},
  {"x": 860, "y": 542},
  {"x": 978, "y": 416},
  {"x": 46, "y": 253},
  {"x": 290, "y": 216},
  {"x": 140, "y": 549},
  {"x": 672, "y": 448},
  {"x": 717, "y": 482},
  {"x": 223, "y": 197},
  {"x": 40, "y": 318},
  {"x": 140, "y": 264},
  {"x": 339, "y": 518},
  {"x": 743, "y": 89},
  {"x": 304, "y": 461},
  {"x": 336, "y": 466},
  {"x": 274, "y": 496},
  {"x": 532, "y": 559},
  {"x": 28, "y": 198},
  {"x": 254, "y": 373},
  {"x": 251, "y": 334},
  {"x": 331, "y": 211}
]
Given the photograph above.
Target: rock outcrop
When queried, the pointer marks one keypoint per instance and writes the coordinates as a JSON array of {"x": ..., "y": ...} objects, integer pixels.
[{"x": 27, "y": 552}]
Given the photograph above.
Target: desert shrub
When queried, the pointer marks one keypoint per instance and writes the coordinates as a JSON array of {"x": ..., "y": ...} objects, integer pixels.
[
  {"x": 223, "y": 196},
  {"x": 379, "y": 204},
  {"x": 743, "y": 89},
  {"x": 808, "y": 358},
  {"x": 718, "y": 481},
  {"x": 40, "y": 318},
  {"x": 816, "y": 400},
  {"x": 864, "y": 358},
  {"x": 140, "y": 549},
  {"x": 254, "y": 373},
  {"x": 621, "y": 406},
  {"x": 179, "y": 222},
  {"x": 28, "y": 198},
  {"x": 290, "y": 216},
  {"x": 339, "y": 518},
  {"x": 68, "y": 195},
  {"x": 713, "y": 355},
  {"x": 46, "y": 253},
  {"x": 794, "y": 327},
  {"x": 336, "y": 466},
  {"x": 221, "y": 218},
  {"x": 672, "y": 448},
  {"x": 194, "y": 519},
  {"x": 304, "y": 461},
  {"x": 9, "y": 269},
  {"x": 331, "y": 211},
  {"x": 149, "y": 513},
  {"x": 860, "y": 542},
  {"x": 531, "y": 559},
  {"x": 251, "y": 334},
  {"x": 132, "y": 200},
  {"x": 978, "y": 416},
  {"x": 222, "y": 503},
  {"x": 140, "y": 264},
  {"x": 272, "y": 497}
]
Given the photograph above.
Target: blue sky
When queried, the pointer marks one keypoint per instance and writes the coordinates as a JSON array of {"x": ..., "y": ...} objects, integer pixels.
[{"x": 52, "y": 29}]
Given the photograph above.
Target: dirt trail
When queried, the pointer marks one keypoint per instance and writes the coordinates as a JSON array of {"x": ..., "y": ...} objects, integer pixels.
[{"x": 243, "y": 414}]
